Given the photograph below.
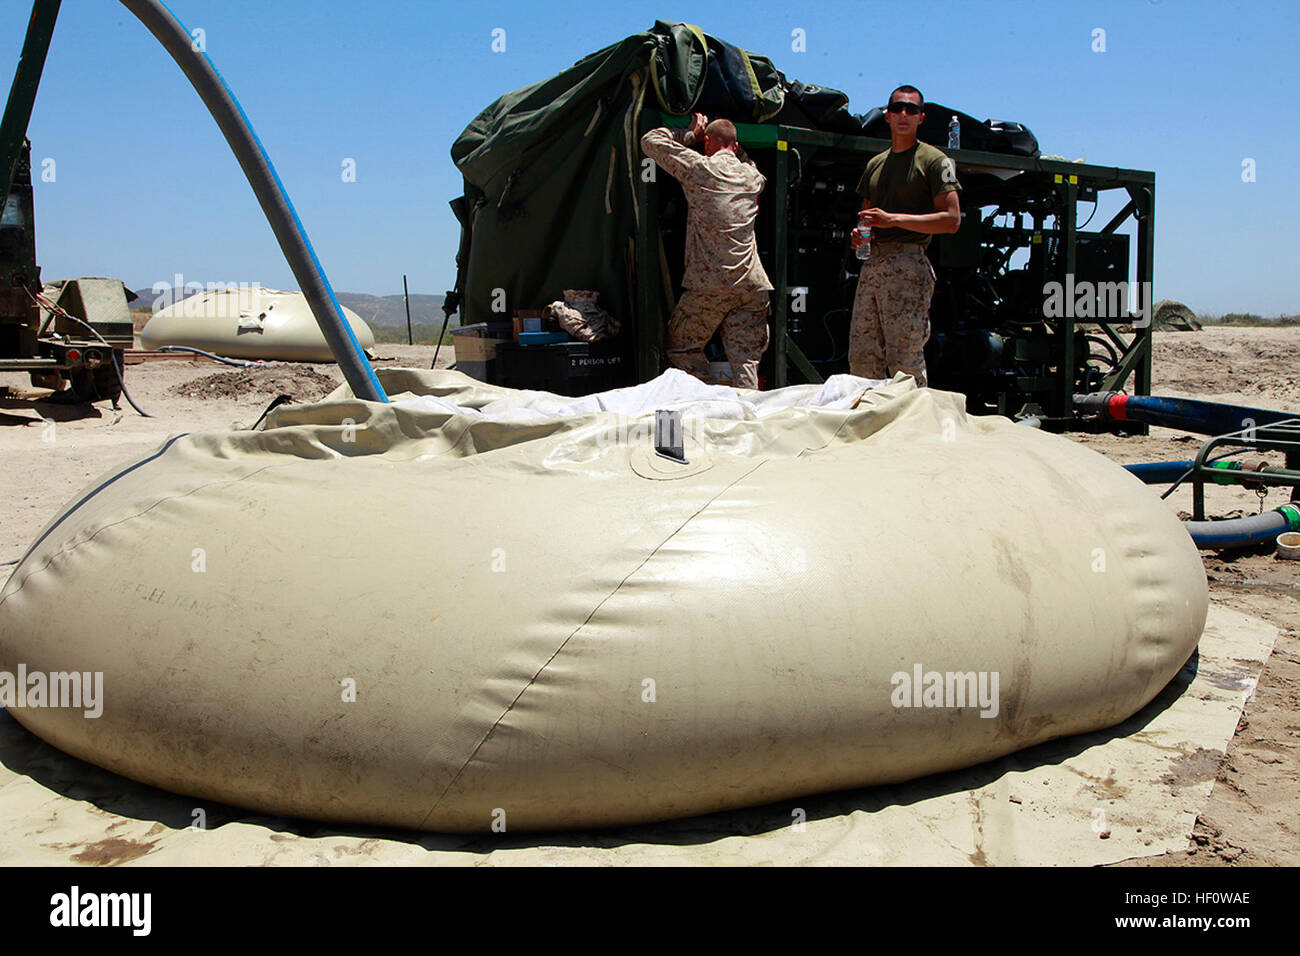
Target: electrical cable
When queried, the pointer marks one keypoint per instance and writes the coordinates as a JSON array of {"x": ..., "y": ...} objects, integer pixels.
[
  {"x": 1090, "y": 215},
  {"x": 826, "y": 324}
]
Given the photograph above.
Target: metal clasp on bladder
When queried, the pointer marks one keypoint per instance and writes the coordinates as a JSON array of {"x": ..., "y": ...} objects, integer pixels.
[{"x": 668, "y": 436}]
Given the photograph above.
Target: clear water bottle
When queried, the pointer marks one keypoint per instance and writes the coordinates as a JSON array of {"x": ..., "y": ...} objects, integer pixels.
[
  {"x": 954, "y": 133},
  {"x": 864, "y": 250}
]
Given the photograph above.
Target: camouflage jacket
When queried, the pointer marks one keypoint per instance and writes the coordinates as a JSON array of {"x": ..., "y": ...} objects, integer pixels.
[{"x": 722, "y": 196}]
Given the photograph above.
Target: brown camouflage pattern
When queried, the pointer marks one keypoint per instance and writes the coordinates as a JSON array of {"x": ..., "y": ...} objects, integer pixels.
[
  {"x": 581, "y": 317},
  {"x": 722, "y": 203},
  {"x": 743, "y": 317},
  {"x": 891, "y": 314}
]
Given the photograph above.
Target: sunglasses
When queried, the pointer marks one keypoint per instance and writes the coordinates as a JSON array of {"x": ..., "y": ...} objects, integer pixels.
[{"x": 898, "y": 106}]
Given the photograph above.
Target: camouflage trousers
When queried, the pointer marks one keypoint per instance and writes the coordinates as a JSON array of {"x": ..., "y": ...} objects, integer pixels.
[
  {"x": 891, "y": 316},
  {"x": 743, "y": 317}
]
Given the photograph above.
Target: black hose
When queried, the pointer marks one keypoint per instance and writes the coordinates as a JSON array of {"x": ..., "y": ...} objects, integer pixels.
[
  {"x": 237, "y": 363},
  {"x": 275, "y": 403},
  {"x": 271, "y": 195},
  {"x": 1104, "y": 343}
]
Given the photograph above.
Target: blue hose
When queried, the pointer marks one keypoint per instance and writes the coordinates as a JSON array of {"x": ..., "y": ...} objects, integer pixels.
[
  {"x": 1244, "y": 532},
  {"x": 1201, "y": 418},
  {"x": 1232, "y": 533},
  {"x": 270, "y": 192},
  {"x": 1159, "y": 472},
  {"x": 1204, "y": 418},
  {"x": 238, "y": 363}
]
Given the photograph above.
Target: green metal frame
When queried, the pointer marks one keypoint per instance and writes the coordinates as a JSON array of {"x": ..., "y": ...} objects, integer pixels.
[{"x": 1283, "y": 436}]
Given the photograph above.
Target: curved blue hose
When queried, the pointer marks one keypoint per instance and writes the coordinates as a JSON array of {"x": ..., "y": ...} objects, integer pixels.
[
  {"x": 1244, "y": 532},
  {"x": 238, "y": 363},
  {"x": 270, "y": 192}
]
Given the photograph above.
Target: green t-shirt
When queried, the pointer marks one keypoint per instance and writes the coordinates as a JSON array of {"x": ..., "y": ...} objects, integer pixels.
[{"x": 907, "y": 182}]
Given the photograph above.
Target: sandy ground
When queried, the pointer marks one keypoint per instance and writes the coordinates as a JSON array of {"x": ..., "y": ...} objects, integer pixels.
[
  {"x": 49, "y": 451},
  {"x": 1253, "y": 815}
]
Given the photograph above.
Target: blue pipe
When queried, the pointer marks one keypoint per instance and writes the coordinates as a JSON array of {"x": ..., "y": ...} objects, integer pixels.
[
  {"x": 270, "y": 192},
  {"x": 1201, "y": 418},
  {"x": 1159, "y": 472},
  {"x": 1244, "y": 532}
]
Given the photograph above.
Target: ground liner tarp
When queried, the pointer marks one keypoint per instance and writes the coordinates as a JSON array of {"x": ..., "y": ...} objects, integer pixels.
[{"x": 435, "y": 619}]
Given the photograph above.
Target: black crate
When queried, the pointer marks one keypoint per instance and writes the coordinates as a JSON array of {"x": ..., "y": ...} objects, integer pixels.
[
  {"x": 565, "y": 368},
  {"x": 483, "y": 371}
]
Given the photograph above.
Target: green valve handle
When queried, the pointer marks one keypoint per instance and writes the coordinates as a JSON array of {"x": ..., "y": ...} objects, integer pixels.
[{"x": 1292, "y": 515}]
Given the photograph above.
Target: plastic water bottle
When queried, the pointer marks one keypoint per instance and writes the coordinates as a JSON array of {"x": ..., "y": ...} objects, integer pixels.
[
  {"x": 954, "y": 133},
  {"x": 864, "y": 250}
]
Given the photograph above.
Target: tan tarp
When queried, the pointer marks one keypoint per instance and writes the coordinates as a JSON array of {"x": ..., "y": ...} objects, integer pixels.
[
  {"x": 249, "y": 323},
  {"x": 546, "y": 625}
]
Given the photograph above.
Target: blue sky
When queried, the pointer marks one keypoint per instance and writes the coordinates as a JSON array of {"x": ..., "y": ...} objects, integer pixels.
[{"x": 145, "y": 186}]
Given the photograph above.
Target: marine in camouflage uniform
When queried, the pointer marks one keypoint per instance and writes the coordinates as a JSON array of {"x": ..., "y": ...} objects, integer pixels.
[
  {"x": 906, "y": 198},
  {"x": 891, "y": 313},
  {"x": 724, "y": 283}
]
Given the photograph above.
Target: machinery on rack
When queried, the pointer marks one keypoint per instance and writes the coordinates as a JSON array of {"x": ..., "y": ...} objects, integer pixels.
[
  {"x": 997, "y": 335},
  {"x": 1030, "y": 308}
]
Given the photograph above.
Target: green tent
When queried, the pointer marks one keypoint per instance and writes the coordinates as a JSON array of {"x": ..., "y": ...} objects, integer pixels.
[{"x": 551, "y": 171}]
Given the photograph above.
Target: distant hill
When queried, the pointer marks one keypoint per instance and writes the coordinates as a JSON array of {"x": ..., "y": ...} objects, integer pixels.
[
  {"x": 389, "y": 309},
  {"x": 377, "y": 310}
]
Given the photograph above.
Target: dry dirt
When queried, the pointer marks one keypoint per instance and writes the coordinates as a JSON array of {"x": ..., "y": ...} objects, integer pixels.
[
  {"x": 49, "y": 451},
  {"x": 302, "y": 383},
  {"x": 1253, "y": 814}
]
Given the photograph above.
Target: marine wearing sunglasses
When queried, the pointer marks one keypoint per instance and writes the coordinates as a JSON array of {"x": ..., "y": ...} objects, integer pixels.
[{"x": 909, "y": 193}]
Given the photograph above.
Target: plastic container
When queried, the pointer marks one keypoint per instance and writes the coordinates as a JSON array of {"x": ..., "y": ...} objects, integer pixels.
[
  {"x": 542, "y": 338},
  {"x": 1288, "y": 546},
  {"x": 864, "y": 250}
]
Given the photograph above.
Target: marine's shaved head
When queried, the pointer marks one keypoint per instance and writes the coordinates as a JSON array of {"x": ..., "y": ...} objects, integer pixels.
[{"x": 722, "y": 130}]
